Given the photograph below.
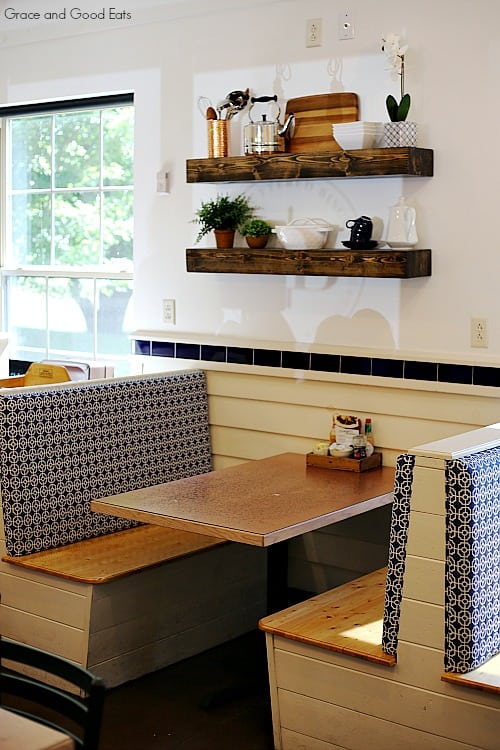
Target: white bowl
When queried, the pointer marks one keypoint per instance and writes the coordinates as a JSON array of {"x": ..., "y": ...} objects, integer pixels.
[
  {"x": 358, "y": 125},
  {"x": 303, "y": 234},
  {"x": 341, "y": 451},
  {"x": 352, "y": 135}
]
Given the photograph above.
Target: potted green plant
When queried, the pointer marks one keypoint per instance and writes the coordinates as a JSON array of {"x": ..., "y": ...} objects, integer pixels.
[
  {"x": 398, "y": 132},
  {"x": 223, "y": 216},
  {"x": 256, "y": 232}
]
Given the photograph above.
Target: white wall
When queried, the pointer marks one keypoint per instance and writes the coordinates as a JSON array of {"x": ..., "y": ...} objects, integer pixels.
[{"x": 175, "y": 52}]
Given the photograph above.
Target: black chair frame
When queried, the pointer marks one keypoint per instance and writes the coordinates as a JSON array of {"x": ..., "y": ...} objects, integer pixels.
[{"x": 83, "y": 708}]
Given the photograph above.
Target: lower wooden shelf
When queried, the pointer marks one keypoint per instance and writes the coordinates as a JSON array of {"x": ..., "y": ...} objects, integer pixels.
[{"x": 379, "y": 264}]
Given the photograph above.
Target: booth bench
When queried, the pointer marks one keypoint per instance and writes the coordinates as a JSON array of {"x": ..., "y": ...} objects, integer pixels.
[
  {"x": 406, "y": 657},
  {"x": 117, "y": 597}
]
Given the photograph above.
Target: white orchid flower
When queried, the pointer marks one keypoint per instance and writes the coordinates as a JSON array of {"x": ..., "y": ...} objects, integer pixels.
[{"x": 395, "y": 53}]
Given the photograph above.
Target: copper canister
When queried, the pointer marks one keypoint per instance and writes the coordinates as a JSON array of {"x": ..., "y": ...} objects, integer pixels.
[{"x": 218, "y": 138}]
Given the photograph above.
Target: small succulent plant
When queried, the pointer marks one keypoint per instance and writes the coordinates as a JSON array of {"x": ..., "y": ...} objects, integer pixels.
[{"x": 255, "y": 228}]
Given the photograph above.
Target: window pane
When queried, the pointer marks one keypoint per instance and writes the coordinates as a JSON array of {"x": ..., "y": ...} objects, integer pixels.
[
  {"x": 118, "y": 226},
  {"x": 31, "y": 152},
  {"x": 70, "y": 203},
  {"x": 113, "y": 317},
  {"x": 30, "y": 243},
  {"x": 26, "y": 316},
  {"x": 118, "y": 146},
  {"x": 76, "y": 229},
  {"x": 71, "y": 317},
  {"x": 77, "y": 149}
]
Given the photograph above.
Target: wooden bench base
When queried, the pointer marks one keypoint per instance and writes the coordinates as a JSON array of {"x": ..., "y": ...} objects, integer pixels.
[
  {"x": 134, "y": 601},
  {"x": 310, "y": 640},
  {"x": 331, "y": 686}
]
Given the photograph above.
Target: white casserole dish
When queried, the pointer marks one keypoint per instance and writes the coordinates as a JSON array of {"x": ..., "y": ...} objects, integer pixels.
[{"x": 303, "y": 234}]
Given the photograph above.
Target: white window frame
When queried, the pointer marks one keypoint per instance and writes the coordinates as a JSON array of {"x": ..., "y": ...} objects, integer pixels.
[{"x": 44, "y": 272}]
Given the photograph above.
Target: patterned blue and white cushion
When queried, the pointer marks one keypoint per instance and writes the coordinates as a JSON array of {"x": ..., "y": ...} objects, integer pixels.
[
  {"x": 397, "y": 552},
  {"x": 61, "y": 448},
  {"x": 472, "y": 584}
]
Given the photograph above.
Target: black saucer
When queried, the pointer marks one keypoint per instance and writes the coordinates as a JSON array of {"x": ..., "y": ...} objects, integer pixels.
[{"x": 354, "y": 246}]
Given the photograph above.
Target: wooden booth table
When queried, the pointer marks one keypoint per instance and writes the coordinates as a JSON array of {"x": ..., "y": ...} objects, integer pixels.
[
  {"x": 19, "y": 733},
  {"x": 263, "y": 502}
]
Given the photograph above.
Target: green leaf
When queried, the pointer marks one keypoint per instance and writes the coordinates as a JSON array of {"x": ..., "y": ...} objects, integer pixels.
[
  {"x": 223, "y": 213},
  {"x": 392, "y": 108},
  {"x": 403, "y": 108}
]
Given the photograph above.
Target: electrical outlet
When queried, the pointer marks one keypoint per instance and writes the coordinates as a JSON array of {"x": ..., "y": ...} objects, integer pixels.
[
  {"x": 169, "y": 311},
  {"x": 162, "y": 182},
  {"x": 313, "y": 32},
  {"x": 479, "y": 333},
  {"x": 346, "y": 25}
]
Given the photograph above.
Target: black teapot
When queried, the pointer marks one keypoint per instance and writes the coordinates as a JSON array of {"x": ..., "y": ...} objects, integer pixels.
[{"x": 361, "y": 232}]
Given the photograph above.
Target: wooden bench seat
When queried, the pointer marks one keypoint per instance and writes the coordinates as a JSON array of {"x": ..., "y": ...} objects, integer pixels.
[
  {"x": 105, "y": 558},
  {"x": 346, "y": 619},
  {"x": 486, "y": 677}
]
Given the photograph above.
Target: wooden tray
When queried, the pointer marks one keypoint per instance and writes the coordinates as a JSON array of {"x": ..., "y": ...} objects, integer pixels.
[
  {"x": 345, "y": 464},
  {"x": 314, "y": 116}
]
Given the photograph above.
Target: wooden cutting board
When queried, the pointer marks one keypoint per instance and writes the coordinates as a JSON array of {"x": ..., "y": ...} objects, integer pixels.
[{"x": 314, "y": 116}]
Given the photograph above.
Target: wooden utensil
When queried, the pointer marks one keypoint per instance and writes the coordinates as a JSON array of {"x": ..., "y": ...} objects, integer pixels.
[
  {"x": 314, "y": 116},
  {"x": 211, "y": 114}
]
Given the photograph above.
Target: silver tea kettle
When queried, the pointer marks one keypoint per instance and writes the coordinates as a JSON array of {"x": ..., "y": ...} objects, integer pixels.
[{"x": 263, "y": 137}]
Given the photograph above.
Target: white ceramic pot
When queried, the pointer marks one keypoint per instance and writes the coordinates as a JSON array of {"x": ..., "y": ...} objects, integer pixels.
[{"x": 397, "y": 134}]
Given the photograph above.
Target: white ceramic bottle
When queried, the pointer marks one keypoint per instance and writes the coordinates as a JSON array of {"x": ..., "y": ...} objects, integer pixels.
[{"x": 401, "y": 230}]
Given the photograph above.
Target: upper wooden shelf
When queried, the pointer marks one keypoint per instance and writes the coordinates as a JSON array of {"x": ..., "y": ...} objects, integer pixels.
[
  {"x": 377, "y": 264},
  {"x": 375, "y": 162}
]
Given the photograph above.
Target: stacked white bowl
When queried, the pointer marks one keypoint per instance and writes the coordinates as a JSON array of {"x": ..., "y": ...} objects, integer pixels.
[{"x": 359, "y": 134}]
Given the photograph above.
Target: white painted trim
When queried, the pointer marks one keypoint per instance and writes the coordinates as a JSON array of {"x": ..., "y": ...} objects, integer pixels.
[{"x": 474, "y": 441}]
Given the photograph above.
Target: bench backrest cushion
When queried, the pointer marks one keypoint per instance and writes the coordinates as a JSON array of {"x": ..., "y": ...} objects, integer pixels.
[
  {"x": 62, "y": 447},
  {"x": 472, "y": 578},
  {"x": 400, "y": 519}
]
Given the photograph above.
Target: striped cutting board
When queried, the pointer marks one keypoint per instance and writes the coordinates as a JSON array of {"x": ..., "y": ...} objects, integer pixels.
[{"x": 314, "y": 116}]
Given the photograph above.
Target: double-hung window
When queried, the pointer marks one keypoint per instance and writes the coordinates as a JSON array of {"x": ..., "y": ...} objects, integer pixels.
[{"x": 67, "y": 256}]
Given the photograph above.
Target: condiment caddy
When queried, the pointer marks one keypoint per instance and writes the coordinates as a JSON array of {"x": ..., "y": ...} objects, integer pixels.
[
  {"x": 350, "y": 447},
  {"x": 345, "y": 464}
]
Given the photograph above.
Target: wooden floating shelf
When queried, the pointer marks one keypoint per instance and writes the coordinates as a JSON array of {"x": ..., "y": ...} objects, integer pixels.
[
  {"x": 378, "y": 162},
  {"x": 379, "y": 264}
]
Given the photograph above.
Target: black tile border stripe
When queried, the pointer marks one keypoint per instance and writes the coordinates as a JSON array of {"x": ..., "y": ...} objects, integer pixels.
[{"x": 434, "y": 372}]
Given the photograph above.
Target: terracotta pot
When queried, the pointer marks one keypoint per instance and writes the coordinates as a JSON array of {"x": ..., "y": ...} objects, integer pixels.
[
  {"x": 224, "y": 238},
  {"x": 257, "y": 241}
]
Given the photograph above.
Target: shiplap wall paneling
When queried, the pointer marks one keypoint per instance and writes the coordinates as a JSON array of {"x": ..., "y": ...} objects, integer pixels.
[
  {"x": 323, "y": 559},
  {"x": 255, "y": 415},
  {"x": 168, "y": 613},
  {"x": 339, "y": 726},
  {"x": 49, "y": 612},
  {"x": 317, "y": 697},
  {"x": 140, "y": 622},
  {"x": 44, "y": 633}
]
